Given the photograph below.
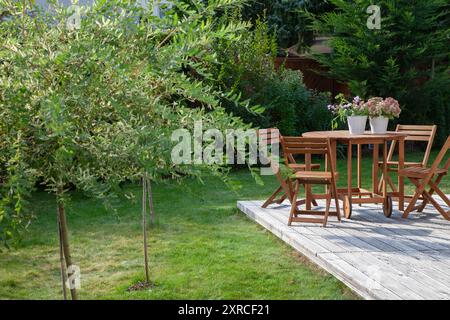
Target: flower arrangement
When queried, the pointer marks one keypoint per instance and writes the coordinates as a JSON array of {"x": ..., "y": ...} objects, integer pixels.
[
  {"x": 356, "y": 112},
  {"x": 379, "y": 107},
  {"x": 345, "y": 109}
]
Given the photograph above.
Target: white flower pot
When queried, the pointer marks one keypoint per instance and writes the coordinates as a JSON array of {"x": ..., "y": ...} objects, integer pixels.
[
  {"x": 379, "y": 124},
  {"x": 357, "y": 124}
]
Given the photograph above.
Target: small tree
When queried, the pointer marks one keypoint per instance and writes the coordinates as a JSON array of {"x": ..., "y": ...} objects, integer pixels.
[{"x": 95, "y": 105}]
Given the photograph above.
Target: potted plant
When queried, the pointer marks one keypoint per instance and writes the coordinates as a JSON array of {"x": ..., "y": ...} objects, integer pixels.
[
  {"x": 380, "y": 111},
  {"x": 355, "y": 113}
]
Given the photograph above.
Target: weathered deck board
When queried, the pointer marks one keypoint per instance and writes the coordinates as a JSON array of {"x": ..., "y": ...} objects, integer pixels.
[{"x": 377, "y": 257}]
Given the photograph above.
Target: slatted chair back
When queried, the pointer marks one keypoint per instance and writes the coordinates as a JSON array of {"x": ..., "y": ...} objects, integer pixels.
[
  {"x": 441, "y": 156},
  {"x": 305, "y": 146},
  {"x": 269, "y": 137},
  {"x": 417, "y": 133}
]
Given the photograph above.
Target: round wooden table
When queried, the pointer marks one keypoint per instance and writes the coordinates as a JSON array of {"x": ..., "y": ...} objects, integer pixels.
[{"x": 359, "y": 195}]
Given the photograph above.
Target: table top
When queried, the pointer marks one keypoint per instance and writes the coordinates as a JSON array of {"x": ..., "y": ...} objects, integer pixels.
[{"x": 346, "y": 136}]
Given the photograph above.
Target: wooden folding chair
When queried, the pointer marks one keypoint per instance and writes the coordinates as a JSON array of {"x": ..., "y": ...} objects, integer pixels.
[
  {"x": 307, "y": 147},
  {"x": 268, "y": 137},
  {"x": 415, "y": 133},
  {"x": 428, "y": 177},
  {"x": 284, "y": 191}
]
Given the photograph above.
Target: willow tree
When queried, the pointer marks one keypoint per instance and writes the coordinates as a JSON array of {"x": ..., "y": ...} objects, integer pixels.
[{"x": 94, "y": 105}]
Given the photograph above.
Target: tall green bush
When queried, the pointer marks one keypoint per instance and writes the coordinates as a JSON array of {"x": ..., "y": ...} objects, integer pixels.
[
  {"x": 407, "y": 58},
  {"x": 292, "y": 107}
]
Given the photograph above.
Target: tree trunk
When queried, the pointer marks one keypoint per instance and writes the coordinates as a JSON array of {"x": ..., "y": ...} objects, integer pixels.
[
  {"x": 144, "y": 228},
  {"x": 65, "y": 244},
  {"x": 61, "y": 258},
  {"x": 150, "y": 201}
]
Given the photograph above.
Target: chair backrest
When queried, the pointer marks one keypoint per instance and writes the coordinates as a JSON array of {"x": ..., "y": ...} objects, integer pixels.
[
  {"x": 441, "y": 156},
  {"x": 269, "y": 137},
  {"x": 306, "y": 146},
  {"x": 423, "y": 133}
]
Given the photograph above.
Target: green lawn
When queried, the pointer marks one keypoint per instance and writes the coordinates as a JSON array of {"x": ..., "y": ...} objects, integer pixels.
[{"x": 202, "y": 248}]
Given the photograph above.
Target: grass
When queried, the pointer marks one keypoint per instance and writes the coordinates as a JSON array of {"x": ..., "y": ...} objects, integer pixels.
[{"x": 201, "y": 248}]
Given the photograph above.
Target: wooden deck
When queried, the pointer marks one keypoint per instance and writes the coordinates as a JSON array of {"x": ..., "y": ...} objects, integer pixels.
[{"x": 377, "y": 257}]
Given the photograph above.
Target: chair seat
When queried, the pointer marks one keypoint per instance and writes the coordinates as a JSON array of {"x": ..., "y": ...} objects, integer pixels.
[
  {"x": 315, "y": 175},
  {"x": 416, "y": 172},
  {"x": 302, "y": 167},
  {"x": 406, "y": 164}
]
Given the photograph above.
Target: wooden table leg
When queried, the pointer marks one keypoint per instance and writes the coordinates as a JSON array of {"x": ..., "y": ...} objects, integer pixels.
[
  {"x": 349, "y": 169},
  {"x": 401, "y": 182},
  {"x": 359, "y": 156},
  {"x": 333, "y": 145},
  {"x": 327, "y": 166},
  {"x": 375, "y": 168},
  {"x": 385, "y": 172},
  {"x": 308, "y": 187},
  {"x": 328, "y": 162}
]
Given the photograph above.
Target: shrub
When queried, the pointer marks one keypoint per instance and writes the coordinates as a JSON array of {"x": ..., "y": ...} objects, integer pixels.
[{"x": 291, "y": 106}]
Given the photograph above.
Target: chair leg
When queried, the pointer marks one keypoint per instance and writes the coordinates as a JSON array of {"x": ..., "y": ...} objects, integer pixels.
[
  {"x": 389, "y": 181},
  {"x": 280, "y": 201},
  {"x": 422, "y": 206},
  {"x": 272, "y": 197},
  {"x": 294, "y": 203},
  {"x": 336, "y": 200},
  {"x": 380, "y": 184},
  {"x": 313, "y": 201},
  {"x": 436, "y": 205},
  {"x": 435, "y": 188},
  {"x": 431, "y": 191},
  {"x": 327, "y": 208},
  {"x": 417, "y": 194}
]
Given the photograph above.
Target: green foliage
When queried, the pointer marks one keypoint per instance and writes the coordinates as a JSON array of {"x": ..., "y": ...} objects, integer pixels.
[
  {"x": 291, "y": 106},
  {"x": 287, "y": 19},
  {"x": 247, "y": 67},
  {"x": 244, "y": 68},
  {"x": 406, "y": 59},
  {"x": 18, "y": 184},
  {"x": 93, "y": 107}
]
